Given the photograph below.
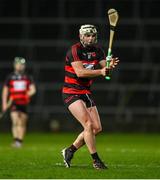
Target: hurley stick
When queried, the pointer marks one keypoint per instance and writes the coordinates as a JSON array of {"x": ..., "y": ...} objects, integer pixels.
[{"x": 113, "y": 18}]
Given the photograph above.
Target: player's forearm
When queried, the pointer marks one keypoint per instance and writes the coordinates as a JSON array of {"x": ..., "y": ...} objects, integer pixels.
[
  {"x": 31, "y": 91},
  {"x": 4, "y": 101},
  {"x": 89, "y": 73},
  {"x": 4, "y": 97}
]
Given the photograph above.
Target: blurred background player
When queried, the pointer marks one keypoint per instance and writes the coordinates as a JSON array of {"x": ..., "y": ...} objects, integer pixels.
[
  {"x": 18, "y": 88},
  {"x": 80, "y": 69}
]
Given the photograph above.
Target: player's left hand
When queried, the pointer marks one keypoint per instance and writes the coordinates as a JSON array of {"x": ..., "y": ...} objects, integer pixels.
[{"x": 114, "y": 62}]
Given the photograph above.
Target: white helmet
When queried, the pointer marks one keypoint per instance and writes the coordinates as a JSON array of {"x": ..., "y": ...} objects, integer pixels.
[
  {"x": 87, "y": 29},
  {"x": 19, "y": 60}
]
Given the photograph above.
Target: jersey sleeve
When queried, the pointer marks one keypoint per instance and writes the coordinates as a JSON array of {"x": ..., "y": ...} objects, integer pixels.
[
  {"x": 31, "y": 80},
  {"x": 69, "y": 57},
  {"x": 75, "y": 53},
  {"x": 72, "y": 55}
]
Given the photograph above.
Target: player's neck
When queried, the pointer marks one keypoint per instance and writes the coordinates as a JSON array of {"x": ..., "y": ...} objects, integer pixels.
[
  {"x": 19, "y": 72},
  {"x": 87, "y": 46}
]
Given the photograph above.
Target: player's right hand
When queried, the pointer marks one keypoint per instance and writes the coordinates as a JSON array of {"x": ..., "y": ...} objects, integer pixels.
[
  {"x": 105, "y": 71},
  {"x": 7, "y": 105}
]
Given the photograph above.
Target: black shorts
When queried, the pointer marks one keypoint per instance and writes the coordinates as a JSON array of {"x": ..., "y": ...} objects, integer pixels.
[
  {"x": 17, "y": 107},
  {"x": 70, "y": 98}
]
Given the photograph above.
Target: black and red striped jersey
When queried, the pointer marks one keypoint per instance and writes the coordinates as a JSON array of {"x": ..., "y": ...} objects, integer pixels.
[
  {"x": 18, "y": 85},
  {"x": 90, "y": 57}
]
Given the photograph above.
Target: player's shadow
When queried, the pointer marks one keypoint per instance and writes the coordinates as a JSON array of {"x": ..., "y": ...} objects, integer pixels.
[{"x": 74, "y": 165}]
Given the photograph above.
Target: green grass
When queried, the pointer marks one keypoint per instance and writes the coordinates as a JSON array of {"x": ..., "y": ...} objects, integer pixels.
[{"x": 127, "y": 155}]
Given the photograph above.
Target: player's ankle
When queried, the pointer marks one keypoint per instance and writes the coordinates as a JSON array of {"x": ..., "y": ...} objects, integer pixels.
[
  {"x": 95, "y": 156},
  {"x": 73, "y": 148},
  {"x": 18, "y": 140}
]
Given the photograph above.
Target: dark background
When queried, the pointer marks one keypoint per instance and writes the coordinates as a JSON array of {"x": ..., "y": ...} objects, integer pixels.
[{"x": 42, "y": 31}]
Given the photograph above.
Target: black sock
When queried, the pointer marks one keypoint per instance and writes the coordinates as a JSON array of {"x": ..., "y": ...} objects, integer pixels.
[
  {"x": 95, "y": 156},
  {"x": 17, "y": 140},
  {"x": 73, "y": 148}
]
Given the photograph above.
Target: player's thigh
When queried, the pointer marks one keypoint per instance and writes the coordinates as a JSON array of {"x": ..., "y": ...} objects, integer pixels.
[
  {"x": 18, "y": 117},
  {"x": 80, "y": 112},
  {"x": 96, "y": 122},
  {"x": 14, "y": 116}
]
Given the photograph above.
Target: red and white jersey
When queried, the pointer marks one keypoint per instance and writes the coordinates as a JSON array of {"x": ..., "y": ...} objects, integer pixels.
[
  {"x": 18, "y": 85},
  {"x": 90, "y": 57}
]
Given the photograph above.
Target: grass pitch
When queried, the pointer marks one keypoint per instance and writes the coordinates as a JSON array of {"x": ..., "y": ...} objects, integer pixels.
[{"x": 127, "y": 156}]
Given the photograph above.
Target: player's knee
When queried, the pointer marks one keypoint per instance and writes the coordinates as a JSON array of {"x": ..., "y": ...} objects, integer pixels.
[
  {"x": 97, "y": 130},
  {"x": 21, "y": 124},
  {"x": 14, "y": 124},
  {"x": 88, "y": 126}
]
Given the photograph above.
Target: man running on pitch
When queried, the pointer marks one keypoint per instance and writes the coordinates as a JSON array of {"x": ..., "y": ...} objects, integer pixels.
[
  {"x": 18, "y": 88},
  {"x": 80, "y": 69}
]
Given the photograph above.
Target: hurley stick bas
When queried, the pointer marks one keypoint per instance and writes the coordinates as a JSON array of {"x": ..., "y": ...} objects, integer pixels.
[{"x": 113, "y": 18}]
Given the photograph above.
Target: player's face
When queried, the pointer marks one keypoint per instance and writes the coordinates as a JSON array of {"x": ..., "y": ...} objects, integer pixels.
[
  {"x": 88, "y": 39},
  {"x": 19, "y": 67}
]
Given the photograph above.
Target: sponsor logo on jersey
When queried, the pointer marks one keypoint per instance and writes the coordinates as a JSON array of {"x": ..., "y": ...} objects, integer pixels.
[
  {"x": 20, "y": 85},
  {"x": 91, "y": 54},
  {"x": 88, "y": 66}
]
